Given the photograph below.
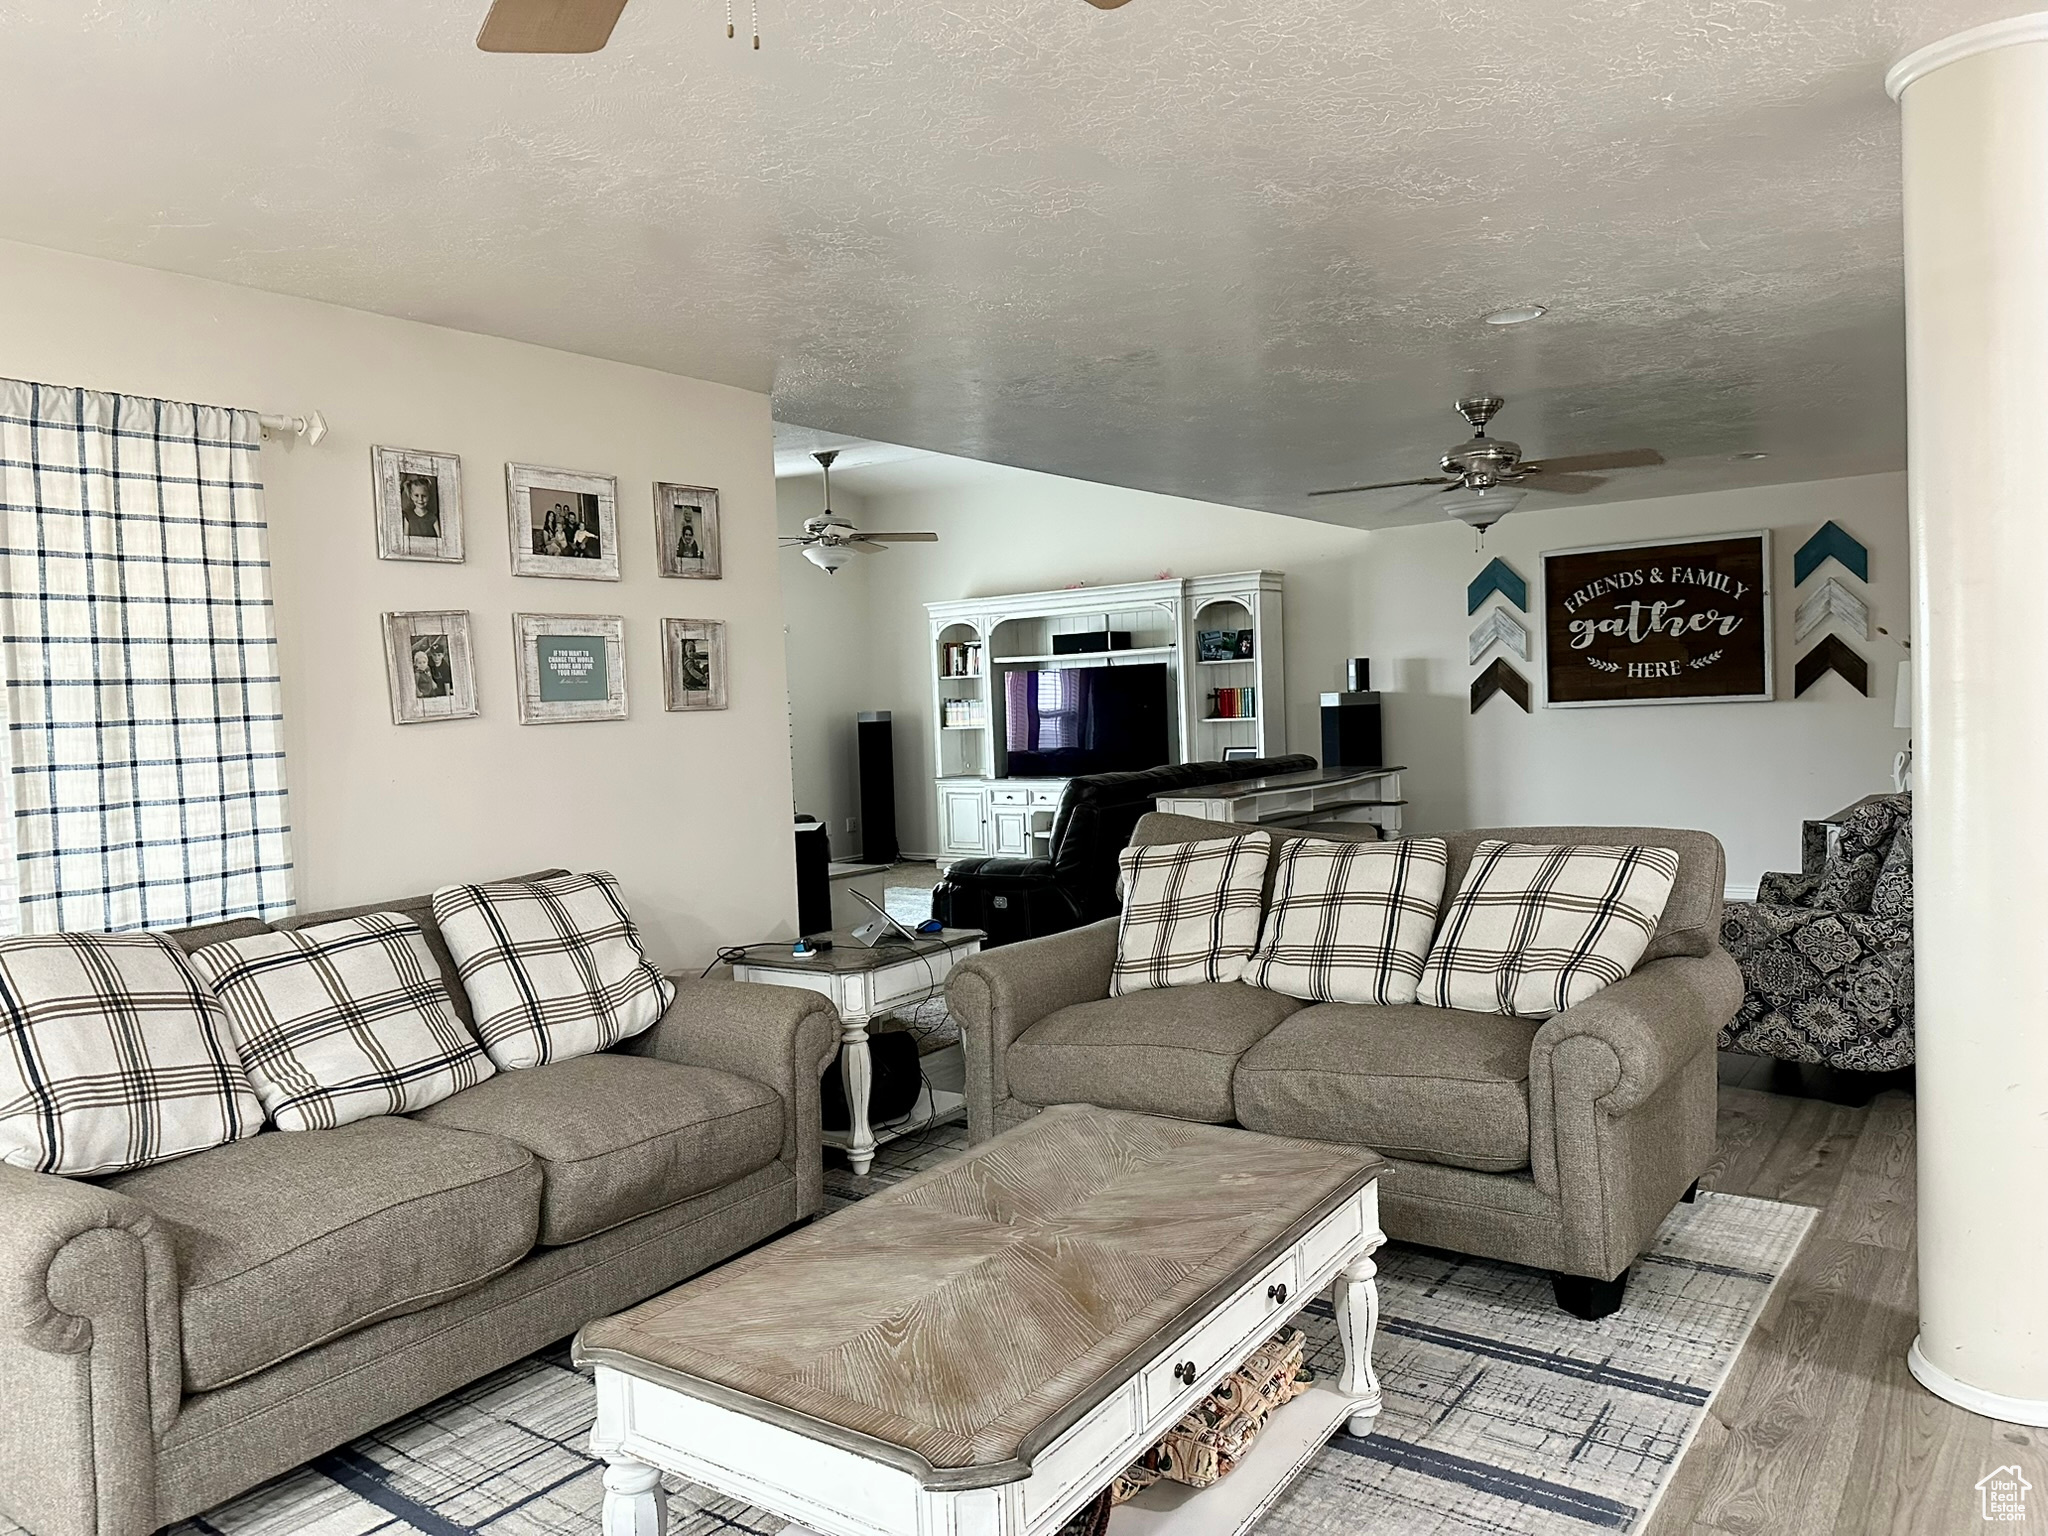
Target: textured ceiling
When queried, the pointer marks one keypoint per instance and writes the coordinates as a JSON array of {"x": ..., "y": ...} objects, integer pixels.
[{"x": 1230, "y": 249}]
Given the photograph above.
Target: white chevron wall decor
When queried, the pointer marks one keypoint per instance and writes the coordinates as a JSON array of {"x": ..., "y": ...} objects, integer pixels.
[
  {"x": 1499, "y": 628},
  {"x": 1831, "y": 601}
]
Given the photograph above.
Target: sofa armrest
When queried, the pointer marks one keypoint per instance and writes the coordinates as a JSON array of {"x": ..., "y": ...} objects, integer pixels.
[
  {"x": 779, "y": 1036},
  {"x": 1621, "y": 1099},
  {"x": 999, "y": 994},
  {"x": 90, "y": 1351}
]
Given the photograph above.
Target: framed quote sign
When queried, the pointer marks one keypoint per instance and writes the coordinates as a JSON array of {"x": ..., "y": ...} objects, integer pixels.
[{"x": 1671, "y": 622}]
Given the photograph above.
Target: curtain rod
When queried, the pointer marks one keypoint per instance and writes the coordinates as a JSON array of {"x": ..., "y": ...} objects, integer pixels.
[{"x": 312, "y": 427}]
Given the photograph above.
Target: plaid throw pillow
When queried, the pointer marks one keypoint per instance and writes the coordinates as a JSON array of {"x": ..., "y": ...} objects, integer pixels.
[
  {"x": 553, "y": 968},
  {"x": 342, "y": 1021},
  {"x": 1535, "y": 930},
  {"x": 1191, "y": 912},
  {"x": 113, "y": 1055},
  {"x": 1350, "y": 922}
]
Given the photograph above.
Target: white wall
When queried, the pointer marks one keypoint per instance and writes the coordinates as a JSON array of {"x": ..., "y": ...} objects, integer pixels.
[
  {"x": 691, "y": 811},
  {"x": 826, "y": 619},
  {"x": 1748, "y": 772}
]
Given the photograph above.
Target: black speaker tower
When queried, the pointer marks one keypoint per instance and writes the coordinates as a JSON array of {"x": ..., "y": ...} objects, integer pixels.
[
  {"x": 813, "y": 877},
  {"x": 877, "y": 787}
]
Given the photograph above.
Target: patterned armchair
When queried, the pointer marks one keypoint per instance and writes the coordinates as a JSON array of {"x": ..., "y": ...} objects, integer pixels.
[{"x": 1827, "y": 954}]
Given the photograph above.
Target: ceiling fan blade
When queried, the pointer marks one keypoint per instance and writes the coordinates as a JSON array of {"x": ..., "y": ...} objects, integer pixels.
[
  {"x": 905, "y": 538},
  {"x": 549, "y": 26},
  {"x": 1571, "y": 485},
  {"x": 1627, "y": 458},
  {"x": 868, "y": 544},
  {"x": 1385, "y": 485}
]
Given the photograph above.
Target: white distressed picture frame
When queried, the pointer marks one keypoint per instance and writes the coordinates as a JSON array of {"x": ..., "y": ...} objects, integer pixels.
[
  {"x": 393, "y": 471},
  {"x": 679, "y": 685},
  {"x": 670, "y": 500},
  {"x": 528, "y": 629},
  {"x": 403, "y": 634},
  {"x": 579, "y": 494}
]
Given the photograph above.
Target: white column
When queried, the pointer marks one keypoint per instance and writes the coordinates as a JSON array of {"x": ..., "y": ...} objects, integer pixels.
[{"x": 1975, "y": 110}]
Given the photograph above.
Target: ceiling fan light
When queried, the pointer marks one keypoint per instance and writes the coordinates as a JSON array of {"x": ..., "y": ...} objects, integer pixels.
[
  {"x": 828, "y": 557},
  {"x": 1484, "y": 506}
]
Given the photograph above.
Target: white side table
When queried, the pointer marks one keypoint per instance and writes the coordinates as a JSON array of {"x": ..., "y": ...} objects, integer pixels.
[{"x": 863, "y": 983}]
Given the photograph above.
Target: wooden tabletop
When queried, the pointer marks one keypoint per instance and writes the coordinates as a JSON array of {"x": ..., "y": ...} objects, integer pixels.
[
  {"x": 961, "y": 1318},
  {"x": 849, "y": 954}
]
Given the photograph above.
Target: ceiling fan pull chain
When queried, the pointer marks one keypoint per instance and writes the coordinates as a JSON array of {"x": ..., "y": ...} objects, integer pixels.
[
  {"x": 728, "y": 20},
  {"x": 755, "y": 14}
]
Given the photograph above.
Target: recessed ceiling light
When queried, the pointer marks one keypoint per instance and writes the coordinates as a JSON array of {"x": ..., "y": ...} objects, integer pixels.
[
  {"x": 1517, "y": 314},
  {"x": 1748, "y": 458}
]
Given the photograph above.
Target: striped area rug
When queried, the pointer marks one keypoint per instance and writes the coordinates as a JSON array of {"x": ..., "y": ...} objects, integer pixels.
[{"x": 1502, "y": 1413}]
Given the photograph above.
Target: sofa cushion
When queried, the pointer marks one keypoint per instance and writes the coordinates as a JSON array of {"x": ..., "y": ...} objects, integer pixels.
[
  {"x": 1191, "y": 912},
  {"x": 287, "y": 1241},
  {"x": 1349, "y": 921},
  {"x": 1433, "y": 1085},
  {"x": 341, "y": 1022},
  {"x": 1537, "y": 928},
  {"x": 620, "y": 1136},
  {"x": 553, "y": 968},
  {"x": 1166, "y": 1051},
  {"x": 113, "y": 1055}
]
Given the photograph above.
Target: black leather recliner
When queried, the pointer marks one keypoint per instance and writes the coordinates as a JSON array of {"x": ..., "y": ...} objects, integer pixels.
[{"x": 1014, "y": 899}]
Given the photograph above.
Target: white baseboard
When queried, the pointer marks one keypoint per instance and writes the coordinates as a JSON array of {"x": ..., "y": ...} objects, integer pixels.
[
  {"x": 2031, "y": 1411},
  {"x": 1739, "y": 893}
]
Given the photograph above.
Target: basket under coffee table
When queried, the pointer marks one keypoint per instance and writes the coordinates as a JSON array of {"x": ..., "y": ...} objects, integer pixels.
[{"x": 979, "y": 1350}]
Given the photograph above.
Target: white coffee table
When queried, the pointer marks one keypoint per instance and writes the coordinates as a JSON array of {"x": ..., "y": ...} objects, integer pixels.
[
  {"x": 864, "y": 983},
  {"x": 980, "y": 1349}
]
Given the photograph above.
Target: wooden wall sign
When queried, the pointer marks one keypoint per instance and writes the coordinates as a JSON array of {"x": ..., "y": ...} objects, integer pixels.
[{"x": 1671, "y": 622}]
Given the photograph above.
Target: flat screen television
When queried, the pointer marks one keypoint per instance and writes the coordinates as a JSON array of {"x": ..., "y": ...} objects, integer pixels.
[{"x": 1073, "y": 720}]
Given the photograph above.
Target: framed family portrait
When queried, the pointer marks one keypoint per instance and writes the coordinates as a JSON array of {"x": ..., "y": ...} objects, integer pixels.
[
  {"x": 693, "y": 663},
  {"x": 563, "y": 523},
  {"x": 686, "y": 530},
  {"x": 419, "y": 504},
  {"x": 430, "y": 666},
  {"x": 572, "y": 666}
]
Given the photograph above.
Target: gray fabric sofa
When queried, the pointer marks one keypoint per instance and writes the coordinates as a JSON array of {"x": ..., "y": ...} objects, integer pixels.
[
  {"x": 1559, "y": 1144},
  {"x": 173, "y": 1336}
]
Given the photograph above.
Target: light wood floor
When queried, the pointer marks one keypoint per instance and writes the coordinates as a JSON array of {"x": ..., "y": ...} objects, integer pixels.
[{"x": 1821, "y": 1429}]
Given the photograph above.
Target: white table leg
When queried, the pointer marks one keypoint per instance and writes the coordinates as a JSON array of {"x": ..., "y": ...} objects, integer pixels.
[
  {"x": 1357, "y": 1304},
  {"x": 858, "y": 1073},
  {"x": 634, "y": 1504}
]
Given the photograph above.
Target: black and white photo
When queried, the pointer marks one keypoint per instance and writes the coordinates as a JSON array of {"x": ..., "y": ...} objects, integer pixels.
[
  {"x": 693, "y": 663},
  {"x": 686, "y": 531},
  {"x": 431, "y": 667},
  {"x": 563, "y": 523},
  {"x": 419, "y": 504}
]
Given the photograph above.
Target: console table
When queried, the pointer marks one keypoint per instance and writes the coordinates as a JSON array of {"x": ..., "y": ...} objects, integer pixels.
[
  {"x": 864, "y": 983},
  {"x": 1296, "y": 799}
]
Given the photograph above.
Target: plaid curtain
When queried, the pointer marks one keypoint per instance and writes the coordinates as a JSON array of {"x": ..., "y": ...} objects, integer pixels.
[{"x": 145, "y": 738}]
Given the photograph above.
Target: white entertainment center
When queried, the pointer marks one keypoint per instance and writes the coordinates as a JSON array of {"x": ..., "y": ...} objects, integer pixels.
[{"x": 976, "y": 641}]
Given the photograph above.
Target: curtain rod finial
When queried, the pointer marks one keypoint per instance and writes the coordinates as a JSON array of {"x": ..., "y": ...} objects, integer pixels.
[{"x": 312, "y": 427}]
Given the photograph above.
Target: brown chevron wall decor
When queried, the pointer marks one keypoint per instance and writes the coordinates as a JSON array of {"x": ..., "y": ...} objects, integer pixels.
[
  {"x": 1500, "y": 678},
  {"x": 1831, "y": 655}
]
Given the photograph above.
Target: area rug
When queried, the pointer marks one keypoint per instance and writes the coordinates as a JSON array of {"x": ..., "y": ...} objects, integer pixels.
[{"x": 1503, "y": 1414}]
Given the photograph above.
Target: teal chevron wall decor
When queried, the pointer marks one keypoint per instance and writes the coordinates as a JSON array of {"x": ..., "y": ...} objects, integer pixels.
[
  {"x": 1832, "y": 540},
  {"x": 1500, "y": 577}
]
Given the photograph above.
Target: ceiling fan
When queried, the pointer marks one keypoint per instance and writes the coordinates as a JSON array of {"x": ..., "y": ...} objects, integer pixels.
[
  {"x": 828, "y": 542},
  {"x": 574, "y": 26},
  {"x": 1482, "y": 476}
]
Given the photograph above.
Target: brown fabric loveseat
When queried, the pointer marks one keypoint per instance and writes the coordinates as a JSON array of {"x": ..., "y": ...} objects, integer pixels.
[
  {"x": 1559, "y": 1144},
  {"x": 173, "y": 1336}
]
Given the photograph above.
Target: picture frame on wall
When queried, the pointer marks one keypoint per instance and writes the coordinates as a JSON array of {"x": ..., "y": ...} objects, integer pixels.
[
  {"x": 572, "y": 667},
  {"x": 1660, "y": 621},
  {"x": 419, "y": 504},
  {"x": 686, "y": 542},
  {"x": 430, "y": 666},
  {"x": 562, "y": 523},
  {"x": 693, "y": 663}
]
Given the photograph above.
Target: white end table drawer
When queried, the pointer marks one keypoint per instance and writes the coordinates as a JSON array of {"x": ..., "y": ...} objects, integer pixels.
[{"x": 1219, "y": 1344}]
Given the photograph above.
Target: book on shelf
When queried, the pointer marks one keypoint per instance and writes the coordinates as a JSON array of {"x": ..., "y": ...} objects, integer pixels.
[
  {"x": 963, "y": 712},
  {"x": 1233, "y": 703},
  {"x": 960, "y": 658}
]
